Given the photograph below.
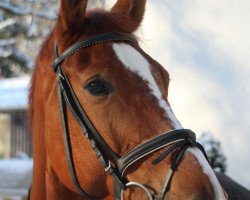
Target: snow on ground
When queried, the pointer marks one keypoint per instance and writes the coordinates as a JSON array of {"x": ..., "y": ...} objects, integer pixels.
[
  {"x": 15, "y": 176},
  {"x": 16, "y": 173}
]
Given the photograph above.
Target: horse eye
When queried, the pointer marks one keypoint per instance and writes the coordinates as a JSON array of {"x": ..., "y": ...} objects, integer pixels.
[{"x": 98, "y": 87}]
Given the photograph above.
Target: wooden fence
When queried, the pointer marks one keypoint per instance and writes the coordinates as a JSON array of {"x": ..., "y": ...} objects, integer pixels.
[{"x": 19, "y": 134}]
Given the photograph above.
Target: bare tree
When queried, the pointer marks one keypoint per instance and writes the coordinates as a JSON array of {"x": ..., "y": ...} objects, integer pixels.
[{"x": 23, "y": 25}]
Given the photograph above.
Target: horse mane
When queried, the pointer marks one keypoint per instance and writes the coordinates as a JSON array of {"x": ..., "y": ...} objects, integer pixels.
[{"x": 44, "y": 49}]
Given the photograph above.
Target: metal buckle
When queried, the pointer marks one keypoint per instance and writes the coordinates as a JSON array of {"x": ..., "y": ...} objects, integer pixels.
[
  {"x": 140, "y": 186},
  {"x": 108, "y": 167}
]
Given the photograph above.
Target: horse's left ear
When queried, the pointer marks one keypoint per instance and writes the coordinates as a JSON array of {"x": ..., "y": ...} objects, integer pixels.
[
  {"x": 134, "y": 9},
  {"x": 71, "y": 12}
]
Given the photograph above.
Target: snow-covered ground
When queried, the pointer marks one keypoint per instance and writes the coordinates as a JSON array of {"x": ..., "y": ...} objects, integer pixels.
[{"x": 15, "y": 177}]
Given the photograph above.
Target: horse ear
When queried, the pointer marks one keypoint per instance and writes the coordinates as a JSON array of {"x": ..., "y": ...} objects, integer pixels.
[
  {"x": 71, "y": 11},
  {"x": 134, "y": 9}
]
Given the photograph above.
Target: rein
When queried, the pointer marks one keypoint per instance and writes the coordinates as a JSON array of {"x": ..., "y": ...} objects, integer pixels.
[{"x": 113, "y": 164}]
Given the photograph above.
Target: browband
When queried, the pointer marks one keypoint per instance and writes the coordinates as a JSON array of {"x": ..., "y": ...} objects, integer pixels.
[{"x": 105, "y": 37}]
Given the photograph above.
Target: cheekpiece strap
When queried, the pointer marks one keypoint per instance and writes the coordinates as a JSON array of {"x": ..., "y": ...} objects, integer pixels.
[{"x": 68, "y": 98}]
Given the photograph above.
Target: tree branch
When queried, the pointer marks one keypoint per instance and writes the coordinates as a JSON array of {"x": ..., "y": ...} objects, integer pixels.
[
  {"x": 7, "y": 22},
  {"x": 7, "y": 42},
  {"x": 27, "y": 11}
]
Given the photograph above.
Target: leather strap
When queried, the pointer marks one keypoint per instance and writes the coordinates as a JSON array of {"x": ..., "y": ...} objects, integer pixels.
[
  {"x": 67, "y": 97},
  {"x": 105, "y": 37},
  {"x": 153, "y": 145},
  {"x": 66, "y": 137}
]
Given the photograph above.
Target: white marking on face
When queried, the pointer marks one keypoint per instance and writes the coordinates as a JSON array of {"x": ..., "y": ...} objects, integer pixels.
[
  {"x": 136, "y": 63},
  {"x": 219, "y": 195}
]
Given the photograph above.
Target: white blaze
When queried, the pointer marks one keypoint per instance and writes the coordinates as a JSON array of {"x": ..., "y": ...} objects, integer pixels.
[
  {"x": 136, "y": 63},
  {"x": 219, "y": 195}
]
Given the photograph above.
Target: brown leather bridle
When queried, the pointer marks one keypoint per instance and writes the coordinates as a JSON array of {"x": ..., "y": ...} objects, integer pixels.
[{"x": 114, "y": 164}]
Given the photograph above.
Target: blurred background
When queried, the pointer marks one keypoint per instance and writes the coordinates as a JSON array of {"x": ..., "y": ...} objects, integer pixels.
[{"x": 204, "y": 45}]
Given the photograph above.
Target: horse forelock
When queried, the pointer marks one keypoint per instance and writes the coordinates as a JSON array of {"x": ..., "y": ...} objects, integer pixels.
[
  {"x": 94, "y": 22},
  {"x": 41, "y": 72}
]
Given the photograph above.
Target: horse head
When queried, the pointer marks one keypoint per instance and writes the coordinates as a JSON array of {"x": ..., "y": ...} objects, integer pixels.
[{"x": 113, "y": 98}]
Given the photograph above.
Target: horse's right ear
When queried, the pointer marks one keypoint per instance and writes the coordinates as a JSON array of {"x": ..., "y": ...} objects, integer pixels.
[
  {"x": 71, "y": 12},
  {"x": 133, "y": 9}
]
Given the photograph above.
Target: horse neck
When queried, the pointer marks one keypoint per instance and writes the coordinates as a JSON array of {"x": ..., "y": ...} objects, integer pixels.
[
  {"x": 38, "y": 189},
  {"x": 40, "y": 183}
]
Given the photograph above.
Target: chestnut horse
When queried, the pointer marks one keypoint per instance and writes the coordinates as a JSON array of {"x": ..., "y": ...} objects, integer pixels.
[{"x": 106, "y": 86}]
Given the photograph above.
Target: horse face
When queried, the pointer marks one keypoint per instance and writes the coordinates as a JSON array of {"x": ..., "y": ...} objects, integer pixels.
[{"x": 124, "y": 93}]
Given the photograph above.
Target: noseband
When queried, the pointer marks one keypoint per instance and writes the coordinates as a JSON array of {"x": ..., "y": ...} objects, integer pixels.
[{"x": 113, "y": 164}]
